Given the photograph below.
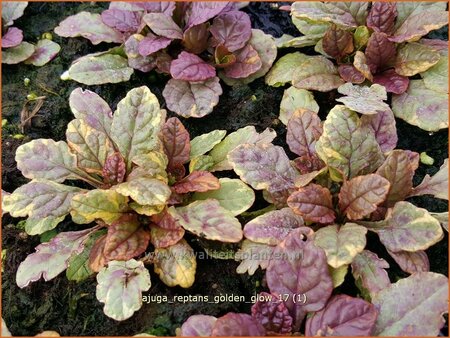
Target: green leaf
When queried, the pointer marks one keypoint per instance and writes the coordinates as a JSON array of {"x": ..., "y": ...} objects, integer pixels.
[
  {"x": 137, "y": 123},
  {"x": 282, "y": 71},
  {"x": 422, "y": 107},
  {"x": 325, "y": 12},
  {"x": 47, "y": 159},
  {"x": 91, "y": 146},
  {"x": 436, "y": 78},
  {"x": 145, "y": 191},
  {"x": 37, "y": 226},
  {"x": 233, "y": 195},
  {"x": 294, "y": 99},
  {"x": 208, "y": 219},
  {"x": 420, "y": 315},
  {"x": 176, "y": 264},
  {"x": 95, "y": 70},
  {"x": 246, "y": 135},
  {"x": 341, "y": 244},
  {"x": 78, "y": 266},
  {"x": 413, "y": 58},
  {"x": 407, "y": 228},
  {"x": 347, "y": 146},
  {"x": 200, "y": 145},
  {"x": 107, "y": 205},
  {"x": 120, "y": 287},
  {"x": 20, "y": 53},
  {"x": 202, "y": 162},
  {"x": 317, "y": 73},
  {"x": 338, "y": 275}
]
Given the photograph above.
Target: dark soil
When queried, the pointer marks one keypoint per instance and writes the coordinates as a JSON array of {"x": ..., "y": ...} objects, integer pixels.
[{"x": 72, "y": 308}]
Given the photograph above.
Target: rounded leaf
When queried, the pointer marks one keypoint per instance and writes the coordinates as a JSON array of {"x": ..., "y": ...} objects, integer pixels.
[
  {"x": 303, "y": 271},
  {"x": 343, "y": 316},
  {"x": 313, "y": 202},
  {"x": 272, "y": 227},
  {"x": 198, "y": 326},
  {"x": 209, "y": 220},
  {"x": 361, "y": 195},
  {"x": 237, "y": 324},
  {"x": 341, "y": 244},
  {"x": 120, "y": 287},
  {"x": 176, "y": 264},
  {"x": 192, "y": 99},
  {"x": 419, "y": 315}
]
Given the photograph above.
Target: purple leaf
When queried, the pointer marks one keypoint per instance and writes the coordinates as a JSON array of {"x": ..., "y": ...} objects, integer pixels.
[
  {"x": 419, "y": 314},
  {"x": 12, "y": 38},
  {"x": 350, "y": 74},
  {"x": 152, "y": 43},
  {"x": 411, "y": 262},
  {"x": 89, "y": 26},
  {"x": 343, "y": 316},
  {"x": 114, "y": 169},
  {"x": 382, "y": 16},
  {"x": 370, "y": 271},
  {"x": 135, "y": 58},
  {"x": 272, "y": 227},
  {"x": 436, "y": 185},
  {"x": 190, "y": 67},
  {"x": 163, "y": 25},
  {"x": 45, "y": 51},
  {"x": 303, "y": 130},
  {"x": 393, "y": 82},
  {"x": 247, "y": 63},
  {"x": 272, "y": 313},
  {"x": 407, "y": 228},
  {"x": 192, "y": 99},
  {"x": 383, "y": 126},
  {"x": 124, "y": 21},
  {"x": 51, "y": 258},
  {"x": 380, "y": 52},
  {"x": 166, "y": 7},
  {"x": 303, "y": 272},
  {"x": 419, "y": 24},
  {"x": 198, "y": 326},
  {"x": 202, "y": 11},
  {"x": 91, "y": 108},
  {"x": 264, "y": 166},
  {"x": 237, "y": 324},
  {"x": 231, "y": 29}
]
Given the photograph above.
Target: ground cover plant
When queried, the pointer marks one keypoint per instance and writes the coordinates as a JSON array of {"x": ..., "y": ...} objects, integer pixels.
[
  {"x": 14, "y": 49},
  {"x": 194, "y": 43},
  {"x": 121, "y": 218},
  {"x": 134, "y": 159},
  {"x": 383, "y": 45}
]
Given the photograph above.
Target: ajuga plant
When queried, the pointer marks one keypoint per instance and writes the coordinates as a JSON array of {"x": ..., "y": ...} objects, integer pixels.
[
  {"x": 193, "y": 42},
  {"x": 127, "y": 187},
  {"x": 380, "y": 43},
  {"x": 348, "y": 179},
  {"x": 14, "y": 49}
]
